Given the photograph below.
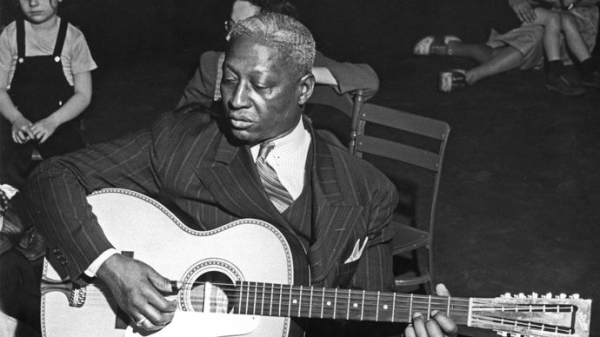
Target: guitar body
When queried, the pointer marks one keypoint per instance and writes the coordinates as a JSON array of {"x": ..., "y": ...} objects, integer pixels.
[
  {"x": 245, "y": 278},
  {"x": 137, "y": 225}
]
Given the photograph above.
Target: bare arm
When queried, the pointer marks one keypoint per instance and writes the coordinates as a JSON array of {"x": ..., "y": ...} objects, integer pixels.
[
  {"x": 44, "y": 128},
  {"x": 21, "y": 126}
]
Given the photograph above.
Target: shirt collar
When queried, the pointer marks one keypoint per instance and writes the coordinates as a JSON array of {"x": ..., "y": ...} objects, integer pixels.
[{"x": 287, "y": 144}]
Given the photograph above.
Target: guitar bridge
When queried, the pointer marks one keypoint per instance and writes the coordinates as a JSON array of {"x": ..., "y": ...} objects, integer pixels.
[{"x": 77, "y": 297}]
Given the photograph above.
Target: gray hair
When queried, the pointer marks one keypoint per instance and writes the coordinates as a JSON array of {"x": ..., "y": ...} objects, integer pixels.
[{"x": 291, "y": 38}]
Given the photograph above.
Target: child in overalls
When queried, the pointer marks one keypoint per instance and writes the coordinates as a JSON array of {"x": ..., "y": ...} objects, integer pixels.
[{"x": 45, "y": 84}]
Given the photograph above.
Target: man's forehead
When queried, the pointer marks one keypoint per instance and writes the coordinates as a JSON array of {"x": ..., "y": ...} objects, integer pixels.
[{"x": 250, "y": 49}]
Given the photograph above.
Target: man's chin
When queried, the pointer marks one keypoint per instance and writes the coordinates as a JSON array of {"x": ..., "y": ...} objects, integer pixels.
[{"x": 243, "y": 135}]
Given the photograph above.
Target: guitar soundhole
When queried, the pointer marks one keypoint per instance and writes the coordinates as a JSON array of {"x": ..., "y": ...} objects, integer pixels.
[{"x": 212, "y": 292}]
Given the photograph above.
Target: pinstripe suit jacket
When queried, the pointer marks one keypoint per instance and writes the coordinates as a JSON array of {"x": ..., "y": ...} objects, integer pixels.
[{"x": 187, "y": 161}]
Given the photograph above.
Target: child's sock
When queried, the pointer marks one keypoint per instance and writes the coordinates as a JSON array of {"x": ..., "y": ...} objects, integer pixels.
[
  {"x": 589, "y": 73},
  {"x": 555, "y": 68},
  {"x": 589, "y": 66}
]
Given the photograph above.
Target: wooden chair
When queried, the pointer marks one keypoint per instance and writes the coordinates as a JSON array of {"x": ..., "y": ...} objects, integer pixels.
[
  {"x": 418, "y": 143},
  {"x": 335, "y": 121}
]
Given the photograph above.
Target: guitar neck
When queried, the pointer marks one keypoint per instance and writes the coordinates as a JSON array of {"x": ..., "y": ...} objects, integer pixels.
[
  {"x": 266, "y": 299},
  {"x": 530, "y": 316}
]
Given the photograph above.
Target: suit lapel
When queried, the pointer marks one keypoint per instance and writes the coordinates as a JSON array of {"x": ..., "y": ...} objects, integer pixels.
[
  {"x": 334, "y": 214},
  {"x": 235, "y": 185}
]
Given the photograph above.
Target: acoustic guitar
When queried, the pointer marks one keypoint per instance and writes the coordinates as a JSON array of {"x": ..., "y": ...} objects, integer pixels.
[{"x": 238, "y": 280}]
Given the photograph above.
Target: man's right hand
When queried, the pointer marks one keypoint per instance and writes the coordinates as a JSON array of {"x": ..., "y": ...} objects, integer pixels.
[
  {"x": 138, "y": 290},
  {"x": 523, "y": 9}
]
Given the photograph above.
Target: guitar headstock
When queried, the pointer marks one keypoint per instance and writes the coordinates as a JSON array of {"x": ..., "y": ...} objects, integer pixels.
[{"x": 533, "y": 315}]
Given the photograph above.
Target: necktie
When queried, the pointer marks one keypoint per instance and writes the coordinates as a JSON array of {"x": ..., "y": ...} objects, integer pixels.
[{"x": 278, "y": 194}]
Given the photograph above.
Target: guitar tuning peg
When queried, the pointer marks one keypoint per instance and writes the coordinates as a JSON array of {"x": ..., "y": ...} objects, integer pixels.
[
  {"x": 521, "y": 295},
  {"x": 534, "y": 295},
  {"x": 563, "y": 296},
  {"x": 574, "y": 296},
  {"x": 501, "y": 333},
  {"x": 507, "y": 295},
  {"x": 549, "y": 295}
]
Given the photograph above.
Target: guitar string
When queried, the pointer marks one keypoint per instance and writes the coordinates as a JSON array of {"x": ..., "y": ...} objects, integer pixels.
[
  {"x": 538, "y": 326},
  {"x": 416, "y": 301},
  {"x": 455, "y": 303},
  {"x": 505, "y": 322},
  {"x": 476, "y": 317},
  {"x": 419, "y": 303}
]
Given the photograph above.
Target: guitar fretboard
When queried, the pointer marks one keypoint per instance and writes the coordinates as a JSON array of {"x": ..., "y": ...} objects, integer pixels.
[{"x": 266, "y": 299}]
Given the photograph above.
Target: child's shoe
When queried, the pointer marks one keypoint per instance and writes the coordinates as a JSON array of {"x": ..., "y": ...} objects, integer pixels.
[
  {"x": 591, "y": 80},
  {"x": 434, "y": 45},
  {"x": 452, "y": 80},
  {"x": 565, "y": 85}
]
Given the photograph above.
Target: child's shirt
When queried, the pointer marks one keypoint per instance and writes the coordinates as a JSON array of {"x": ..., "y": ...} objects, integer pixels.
[{"x": 76, "y": 56}]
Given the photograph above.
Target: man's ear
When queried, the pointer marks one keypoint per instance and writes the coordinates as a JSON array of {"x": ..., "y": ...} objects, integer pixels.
[{"x": 306, "y": 87}]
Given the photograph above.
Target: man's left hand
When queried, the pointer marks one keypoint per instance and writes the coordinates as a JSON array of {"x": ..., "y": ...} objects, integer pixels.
[{"x": 438, "y": 325}]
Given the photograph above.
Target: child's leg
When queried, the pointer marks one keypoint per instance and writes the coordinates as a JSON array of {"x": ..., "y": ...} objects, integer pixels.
[
  {"x": 556, "y": 78},
  {"x": 576, "y": 44},
  {"x": 573, "y": 37},
  {"x": 502, "y": 59},
  {"x": 552, "y": 32},
  {"x": 479, "y": 52}
]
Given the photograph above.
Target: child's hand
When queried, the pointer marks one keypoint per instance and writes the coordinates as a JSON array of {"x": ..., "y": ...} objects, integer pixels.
[
  {"x": 21, "y": 131},
  {"x": 43, "y": 129},
  {"x": 569, "y": 3},
  {"x": 523, "y": 9}
]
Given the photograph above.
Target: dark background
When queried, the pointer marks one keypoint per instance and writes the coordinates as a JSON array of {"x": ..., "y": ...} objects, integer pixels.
[
  {"x": 518, "y": 205},
  {"x": 370, "y": 31}
]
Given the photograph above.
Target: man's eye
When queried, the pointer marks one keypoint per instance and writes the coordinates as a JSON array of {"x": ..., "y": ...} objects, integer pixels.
[
  {"x": 260, "y": 87},
  {"x": 227, "y": 80}
]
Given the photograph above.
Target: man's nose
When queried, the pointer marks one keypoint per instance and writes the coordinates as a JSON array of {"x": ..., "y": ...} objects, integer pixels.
[
  {"x": 34, "y": 3},
  {"x": 239, "y": 99}
]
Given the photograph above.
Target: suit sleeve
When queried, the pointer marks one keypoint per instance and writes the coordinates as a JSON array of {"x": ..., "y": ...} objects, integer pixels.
[
  {"x": 374, "y": 271},
  {"x": 350, "y": 76},
  {"x": 201, "y": 88},
  {"x": 54, "y": 199}
]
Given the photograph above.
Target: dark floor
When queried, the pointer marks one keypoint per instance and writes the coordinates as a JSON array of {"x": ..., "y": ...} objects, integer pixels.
[
  {"x": 518, "y": 206},
  {"x": 518, "y": 200}
]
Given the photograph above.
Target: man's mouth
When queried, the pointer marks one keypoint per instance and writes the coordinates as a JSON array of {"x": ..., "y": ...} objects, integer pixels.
[{"x": 241, "y": 123}]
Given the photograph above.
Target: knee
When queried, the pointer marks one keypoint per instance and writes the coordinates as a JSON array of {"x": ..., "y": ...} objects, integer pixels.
[
  {"x": 537, "y": 35},
  {"x": 553, "y": 22},
  {"x": 568, "y": 21}
]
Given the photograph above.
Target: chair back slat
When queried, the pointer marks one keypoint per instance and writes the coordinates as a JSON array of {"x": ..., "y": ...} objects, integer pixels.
[
  {"x": 405, "y": 121},
  {"x": 393, "y": 150}
]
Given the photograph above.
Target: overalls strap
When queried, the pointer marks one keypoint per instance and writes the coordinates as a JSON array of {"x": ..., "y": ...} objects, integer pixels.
[
  {"x": 60, "y": 39},
  {"x": 21, "y": 38}
]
